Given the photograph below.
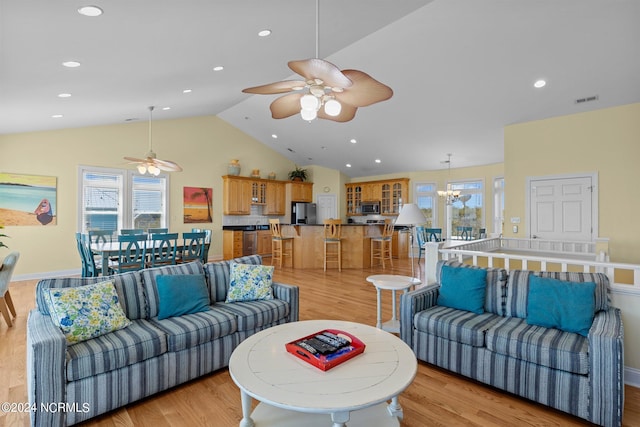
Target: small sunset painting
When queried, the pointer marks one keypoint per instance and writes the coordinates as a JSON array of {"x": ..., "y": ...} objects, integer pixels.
[{"x": 198, "y": 206}]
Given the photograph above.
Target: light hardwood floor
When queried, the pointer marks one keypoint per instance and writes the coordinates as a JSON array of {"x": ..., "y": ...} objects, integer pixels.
[{"x": 435, "y": 398}]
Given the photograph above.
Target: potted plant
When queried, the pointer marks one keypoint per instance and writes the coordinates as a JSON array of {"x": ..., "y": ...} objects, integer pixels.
[{"x": 298, "y": 174}]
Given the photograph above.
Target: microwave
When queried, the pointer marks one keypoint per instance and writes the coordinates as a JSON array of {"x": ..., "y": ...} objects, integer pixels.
[{"x": 370, "y": 208}]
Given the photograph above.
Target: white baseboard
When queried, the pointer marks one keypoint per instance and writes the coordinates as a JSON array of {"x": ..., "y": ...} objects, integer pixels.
[
  {"x": 46, "y": 275},
  {"x": 632, "y": 376}
]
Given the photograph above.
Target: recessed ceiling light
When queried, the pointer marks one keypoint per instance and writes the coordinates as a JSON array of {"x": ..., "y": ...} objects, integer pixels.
[
  {"x": 166, "y": 108},
  {"x": 186, "y": 91},
  {"x": 353, "y": 141},
  {"x": 540, "y": 83},
  {"x": 378, "y": 161},
  {"x": 71, "y": 64},
  {"x": 56, "y": 116},
  {"x": 348, "y": 165},
  {"x": 64, "y": 95},
  {"x": 264, "y": 33},
  {"x": 91, "y": 11},
  {"x": 274, "y": 136},
  {"x": 218, "y": 68}
]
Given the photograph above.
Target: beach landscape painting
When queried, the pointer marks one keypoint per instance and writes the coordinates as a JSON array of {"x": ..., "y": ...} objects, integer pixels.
[
  {"x": 27, "y": 199},
  {"x": 198, "y": 206}
]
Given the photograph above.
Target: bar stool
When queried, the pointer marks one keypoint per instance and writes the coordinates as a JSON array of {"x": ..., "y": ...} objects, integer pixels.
[
  {"x": 281, "y": 246},
  {"x": 381, "y": 246},
  {"x": 332, "y": 230}
]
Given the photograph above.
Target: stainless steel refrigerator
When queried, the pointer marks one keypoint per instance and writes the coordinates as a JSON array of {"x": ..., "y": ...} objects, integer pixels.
[{"x": 303, "y": 213}]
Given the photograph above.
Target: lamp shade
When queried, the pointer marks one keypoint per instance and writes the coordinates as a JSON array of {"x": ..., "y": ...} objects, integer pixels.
[{"x": 410, "y": 214}]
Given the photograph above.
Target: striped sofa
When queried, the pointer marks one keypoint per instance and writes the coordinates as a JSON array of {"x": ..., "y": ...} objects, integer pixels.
[
  {"x": 69, "y": 384},
  {"x": 579, "y": 375}
]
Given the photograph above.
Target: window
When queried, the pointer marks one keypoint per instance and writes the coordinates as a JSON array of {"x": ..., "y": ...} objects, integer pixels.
[
  {"x": 112, "y": 199},
  {"x": 498, "y": 205},
  {"x": 468, "y": 210},
  {"x": 425, "y": 195}
]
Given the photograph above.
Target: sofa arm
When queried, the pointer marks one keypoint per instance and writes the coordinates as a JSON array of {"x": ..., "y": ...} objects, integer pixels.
[
  {"x": 606, "y": 370},
  {"x": 290, "y": 294},
  {"x": 46, "y": 385},
  {"x": 414, "y": 302}
]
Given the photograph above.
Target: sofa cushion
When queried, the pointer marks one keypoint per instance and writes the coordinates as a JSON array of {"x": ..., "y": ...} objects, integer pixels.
[
  {"x": 181, "y": 294},
  {"x": 85, "y": 312},
  {"x": 149, "y": 280},
  {"x": 250, "y": 282},
  {"x": 191, "y": 330},
  {"x": 495, "y": 289},
  {"x": 256, "y": 314},
  {"x": 568, "y": 306},
  {"x": 140, "y": 341},
  {"x": 219, "y": 275},
  {"x": 462, "y": 288},
  {"x": 548, "y": 347},
  {"x": 128, "y": 286},
  {"x": 455, "y": 325}
]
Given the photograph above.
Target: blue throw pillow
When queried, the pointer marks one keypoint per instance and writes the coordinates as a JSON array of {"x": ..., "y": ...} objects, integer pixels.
[
  {"x": 180, "y": 294},
  {"x": 463, "y": 288},
  {"x": 568, "y": 306}
]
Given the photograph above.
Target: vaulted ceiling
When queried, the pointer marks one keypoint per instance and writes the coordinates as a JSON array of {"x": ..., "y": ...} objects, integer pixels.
[{"x": 460, "y": 69}]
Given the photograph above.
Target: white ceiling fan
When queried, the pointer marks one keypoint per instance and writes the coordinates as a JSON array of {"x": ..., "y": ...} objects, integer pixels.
[{"x": 151, "y": 164}]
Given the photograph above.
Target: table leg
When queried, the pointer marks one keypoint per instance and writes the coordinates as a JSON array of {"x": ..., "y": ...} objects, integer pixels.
[
  {"x": 379, "y": 320},
  {"x": 246, "y": 420},
  {"x": 340, "y": 419},
  {"x": 393, "y": 309},
  {"x": 105, "y": 264},
  {"x": 394, "y": 408}
]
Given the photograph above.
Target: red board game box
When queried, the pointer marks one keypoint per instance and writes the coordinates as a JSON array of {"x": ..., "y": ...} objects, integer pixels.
[{"x": 327, "y": 348}]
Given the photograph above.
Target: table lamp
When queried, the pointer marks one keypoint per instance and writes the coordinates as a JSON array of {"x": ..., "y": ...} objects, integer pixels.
[{"x": 411, "y": 215}]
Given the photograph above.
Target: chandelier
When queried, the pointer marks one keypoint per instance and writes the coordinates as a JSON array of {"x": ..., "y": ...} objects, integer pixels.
[{"x": 450, "y": 196}]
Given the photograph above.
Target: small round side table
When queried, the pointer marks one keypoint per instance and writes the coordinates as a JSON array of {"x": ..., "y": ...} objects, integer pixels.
[{"x": 391, "y": 283}]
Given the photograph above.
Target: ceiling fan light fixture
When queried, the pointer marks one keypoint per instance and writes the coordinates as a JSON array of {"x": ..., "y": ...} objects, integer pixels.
[
  {"x": 142, "y": 169},
  {"x": 332, "y": 107},
  {"x": 308, "y": 115},
  {"x": 309, "y": 102}
]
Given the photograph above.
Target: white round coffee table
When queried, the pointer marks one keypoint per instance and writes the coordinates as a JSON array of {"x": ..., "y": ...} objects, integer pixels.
[
  {"x": 295, "y": 393},
  {"x": 392, "y": 283}
]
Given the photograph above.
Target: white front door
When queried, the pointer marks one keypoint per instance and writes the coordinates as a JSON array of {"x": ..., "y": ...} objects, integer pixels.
[
  {"x": 326, "y": 207},
  {"x": 562, "y": 208}
]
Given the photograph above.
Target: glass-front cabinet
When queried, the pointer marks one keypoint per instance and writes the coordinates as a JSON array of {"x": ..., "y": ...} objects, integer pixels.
[{"x": 391, "y": 193}]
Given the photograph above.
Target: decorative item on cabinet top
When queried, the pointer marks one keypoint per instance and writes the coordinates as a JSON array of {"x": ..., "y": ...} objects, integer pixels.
[
  {"x": 234, "y": 168},
  {"x": 298, "y": 174}
]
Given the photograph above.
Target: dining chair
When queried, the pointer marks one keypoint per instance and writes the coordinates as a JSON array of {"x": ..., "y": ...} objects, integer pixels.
[
  {"x": 83, "y": 261},
  {"x": 421, "y": 238},
  {"x": 163, "y": 249},
  {"x": 482, "y": 233},
  {"x": 101, "y": 237},
  {"x": 281, "y": 246},
  {"x": 6, "y": 271},
  {"x": 332, "y": 237},
  {"x": 464, "y": 233},
  {"x": 434, "y": 234},
  {"x": 207, "y": 240},
  {"x": 381, "y": 245},
  {"x": 132, "y": 252},
  {"x": 193, "y": 247},
  {"x": 89, "y": 266},
  {"x": 129, "y": 231},
  {"x": 152, "y": 231}
]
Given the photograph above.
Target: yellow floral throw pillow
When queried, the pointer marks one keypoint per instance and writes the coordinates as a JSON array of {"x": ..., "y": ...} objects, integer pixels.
[
  {"x": 250, "y": 282},
  {"x": 86, "y": 312}
]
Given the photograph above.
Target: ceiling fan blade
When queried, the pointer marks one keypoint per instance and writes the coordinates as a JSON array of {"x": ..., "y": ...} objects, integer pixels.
[
  {"x": 347, "y": 113},
  {"x": 320, "y": 69},
  {"x": 167, "y": 165},
  {"x": 277, "y": 87},
  {"x": 134, "y": 160},
  {"x": 365, "y": 90},
  {"x": 286, "y": 106}
]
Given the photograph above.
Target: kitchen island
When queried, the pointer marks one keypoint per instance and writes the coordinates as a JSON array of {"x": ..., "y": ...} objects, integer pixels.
[{"x": 308, "y": 245}]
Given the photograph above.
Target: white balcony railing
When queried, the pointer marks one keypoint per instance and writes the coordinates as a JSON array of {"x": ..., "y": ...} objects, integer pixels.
[{"x": 538, "y": 255}]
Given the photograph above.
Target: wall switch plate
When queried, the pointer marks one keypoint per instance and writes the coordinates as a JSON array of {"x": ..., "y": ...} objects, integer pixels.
[
  {"x": 515, "y": 228},
  {"x": 515, "y": 220}
]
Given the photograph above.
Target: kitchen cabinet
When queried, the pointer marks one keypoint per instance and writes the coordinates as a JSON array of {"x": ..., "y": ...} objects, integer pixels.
[
  {"x": 301, "y": 191},
  {"x": 400, "y": 244},
  {"x": 231, "y": 244},
  {"x": 258, "y": 193},
  {"x": 264, "y": 242},
  {"x": 236, "y": 198},
  {"x": 275, "y": 199},
  {"x": 392, "y": 194}
]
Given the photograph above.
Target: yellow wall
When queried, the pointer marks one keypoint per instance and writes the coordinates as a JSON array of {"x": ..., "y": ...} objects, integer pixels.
[
  {"x": 604, "y": 141},
  {"x": 203, "y": 146}
]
